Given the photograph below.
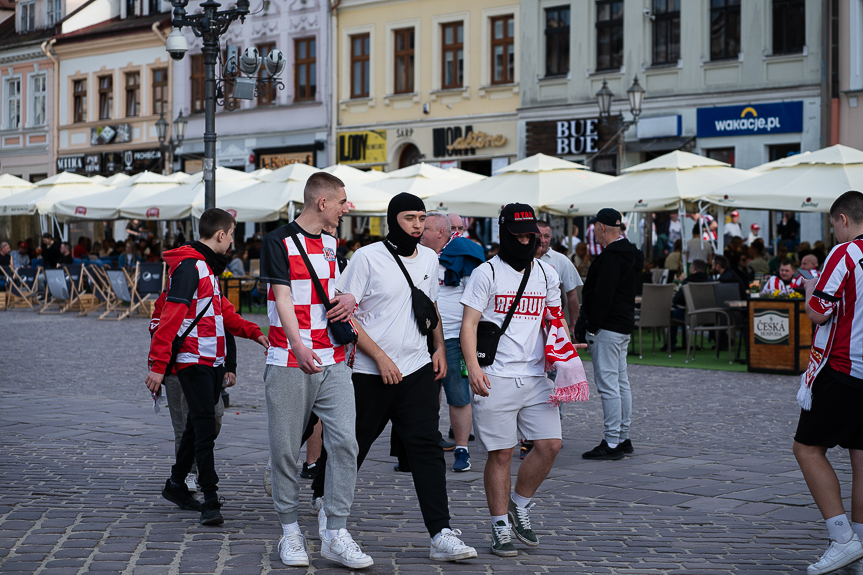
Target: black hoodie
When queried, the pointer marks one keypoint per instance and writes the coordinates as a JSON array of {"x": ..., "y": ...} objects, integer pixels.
[{"x": 608, "y": 297}]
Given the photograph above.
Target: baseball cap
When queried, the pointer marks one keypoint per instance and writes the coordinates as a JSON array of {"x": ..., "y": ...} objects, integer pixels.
[
  {"x": 518, "y": 219},
  {"x": 735, "y": 213},
  {"x": 755, "y": 227},
  {"x": 607, "y": 216}
]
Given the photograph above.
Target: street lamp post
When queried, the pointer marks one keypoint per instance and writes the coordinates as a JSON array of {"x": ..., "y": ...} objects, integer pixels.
[{"x": 169, "y": 146}]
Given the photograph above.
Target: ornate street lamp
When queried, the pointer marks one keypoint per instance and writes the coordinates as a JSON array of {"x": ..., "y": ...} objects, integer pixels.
[
  {"x": 604, "y": 98},
  {"x": 636, "y": 98},
  {"x": 169, "y": 146}
]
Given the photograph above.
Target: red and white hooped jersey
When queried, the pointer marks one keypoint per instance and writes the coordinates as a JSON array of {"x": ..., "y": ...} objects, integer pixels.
[{"x": 774, "y": 283}]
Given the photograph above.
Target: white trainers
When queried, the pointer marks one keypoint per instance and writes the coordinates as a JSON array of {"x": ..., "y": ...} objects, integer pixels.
[
  {"x": 192, "y": 482},
  {"x": 446, "y": 546},
  {"x": 838, "y": 555},
  {"x": 317, "y": 504},
  {"x": 322, "y": 522},
  {"x": 268, "y": 481},
  {"x": 343, "y": 549},
  {"x": 292, "y": 550}
]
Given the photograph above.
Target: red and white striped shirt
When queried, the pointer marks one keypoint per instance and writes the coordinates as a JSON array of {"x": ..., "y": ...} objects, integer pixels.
[
  {"x": 774, "y": 283},
  {"x": 798, "y": 280},
  {"x": 593, "y": 246},
  {"x": 839, "y": 293}
]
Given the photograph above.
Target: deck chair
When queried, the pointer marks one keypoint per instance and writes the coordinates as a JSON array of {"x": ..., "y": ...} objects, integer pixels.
[
  {"x": 59, "y": 291},
  {"x": 99, "y": 288},
  {"x": 76, "y": 278},
  {"x": 123, "y": 293},
  {"x": 150, "y": 283},
  {"x": 23, "y": 286}
]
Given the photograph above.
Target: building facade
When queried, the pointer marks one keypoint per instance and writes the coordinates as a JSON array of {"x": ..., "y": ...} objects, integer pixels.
[
  {"x": 436, "y": 82},
  {"x": 847, "y": 77}
]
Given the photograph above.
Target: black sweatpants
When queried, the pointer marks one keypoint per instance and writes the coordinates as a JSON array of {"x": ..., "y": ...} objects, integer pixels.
[
  {"x": 413, "y": 407},
  {"x": 202, "y": 386}
]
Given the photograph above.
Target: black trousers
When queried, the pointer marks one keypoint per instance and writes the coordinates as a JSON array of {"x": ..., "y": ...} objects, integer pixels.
[
  {"x": 414, "y": 409},
  {"x": 201, "y": 385}
]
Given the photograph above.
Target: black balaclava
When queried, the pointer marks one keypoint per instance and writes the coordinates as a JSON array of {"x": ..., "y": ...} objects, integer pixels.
[
  {"x": 402, "y": 242},
  {"x": 217, "y": 262},
  {"x": 515, "y": 253}
]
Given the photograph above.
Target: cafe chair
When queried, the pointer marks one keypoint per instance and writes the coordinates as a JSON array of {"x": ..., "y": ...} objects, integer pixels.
[
  {"x": 726, "y": 292},
  {"x": 703, "y": 315},
  {"x": 123, "y": 293},
  {"x": 659, "y": 276},
  {"x": 655, "y": 313},
  {"x": 99, "y": 290}
]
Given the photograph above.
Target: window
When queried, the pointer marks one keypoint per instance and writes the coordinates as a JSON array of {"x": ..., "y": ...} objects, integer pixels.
[
  {"x": 780, "y": 151},
  {"x": 502, "y": 49},
  {"x": 39, "y": 95},
  {"x": 106, "y": 97},
  {"x": 724, "y": 29},
  {"x": 306, "y": 69},
  {"x": 54, "y": 13},
  {"x": 721, "y": 154},
  {"x": 155, "y": 6},
  {"x": 79, "y": 100},
  {"x": 666, "y": 31},
  {"x": 28, "y": 16},
  {"x": 789, "y": 26},
  {"x": 160, "y": 91},
  {"x": 266, "y": 93},
  {"x": 404, "y": 56},
  {"x": 197, "y": 77},
  {"x": 453, "y": 55},
  {"x": 133, "y": 94},
  {"x": 13, "y": 96},
  {"x": 609, "y": 34},
  {"x": 133, "y": 8},
  {"x": 557, "y": 41},
  {"x": 360, "y": 66}
]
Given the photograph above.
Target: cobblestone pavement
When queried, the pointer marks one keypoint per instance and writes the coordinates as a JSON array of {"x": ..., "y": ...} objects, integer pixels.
[{"x": 712, "y": 486}]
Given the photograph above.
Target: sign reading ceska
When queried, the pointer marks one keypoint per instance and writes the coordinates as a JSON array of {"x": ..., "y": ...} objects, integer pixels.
[{"x": 770, "y": 326}]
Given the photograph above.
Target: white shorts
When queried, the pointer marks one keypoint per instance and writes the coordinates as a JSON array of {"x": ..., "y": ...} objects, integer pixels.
[{"x": 513, "y": 406}]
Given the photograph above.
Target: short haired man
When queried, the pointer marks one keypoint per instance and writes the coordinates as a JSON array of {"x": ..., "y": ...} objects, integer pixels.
[
  {"x": 809, "y": 263},
  {"x": 394, "y": 375},
  {"x": 781, "y": 282},
  {"x": 569, "y": 278},
  {"x": 193, "y": 291},
  {"x": 831, "y": 389},
  {"x": 605, "y": 323},
  {"x": 729, "y": 276},
  {"x": 456, "y": 224},
  {"x": 697, "y": 248},
  {"x": 306, "y": 371},
  {"x": 463, "y": 256},
  {"x": 50, "y": 251},
  {"x": 21, "y": 257},
  {"x": 5, "y": 251},
  {"x": 512, "y": 394}
]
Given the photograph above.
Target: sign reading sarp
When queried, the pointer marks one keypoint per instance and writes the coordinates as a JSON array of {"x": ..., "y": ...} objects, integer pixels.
[{"x": 750, "y": 120}]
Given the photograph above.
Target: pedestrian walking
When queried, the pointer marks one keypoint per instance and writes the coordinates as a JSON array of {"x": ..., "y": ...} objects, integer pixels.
[
  {"x": 191, "y": 335},
  {"x": 395, "y": 377},
  {"x": 831, "y": 389},
  {"x": 605, "y": 323},
  {"x": 569, "y": 278},
  {"x": 306, "y": 370},
  {"x": 508, "y": 299}
]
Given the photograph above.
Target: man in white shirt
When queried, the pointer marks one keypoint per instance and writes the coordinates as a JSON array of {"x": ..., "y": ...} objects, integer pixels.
[
  {"x": 511, "y": 394},
  {"x": 395, "y": 378},
  {"x": 569, "y": 278},
  {"x": 575, "y": 239},
  {"x": 732, "y": 229},
  {"x": 675, "y": 229}
]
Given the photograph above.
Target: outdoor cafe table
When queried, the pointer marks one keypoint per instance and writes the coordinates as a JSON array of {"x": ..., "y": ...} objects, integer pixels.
[{"x": 780, "y": 335}]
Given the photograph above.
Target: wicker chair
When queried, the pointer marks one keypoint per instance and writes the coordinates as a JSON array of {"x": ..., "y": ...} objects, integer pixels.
[{"x": 655, "y": 312}]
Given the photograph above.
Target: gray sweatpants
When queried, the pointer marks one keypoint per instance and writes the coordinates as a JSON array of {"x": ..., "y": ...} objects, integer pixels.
[
  {"x": 608, "y": 352},
  {"x": 291, "y": 397},
  {"x": 179, "y": 410}
]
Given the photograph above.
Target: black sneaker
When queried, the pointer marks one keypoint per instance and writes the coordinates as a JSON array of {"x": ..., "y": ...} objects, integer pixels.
[
  {"x": 309, "y": 471},
  {"x": 626, "y": 446},
  {"x": 526, "y": 447},
  {"x": 210, "y": 514},
  {"x": 180, "y": 495},
  {"x": 446, "y": 445},
  {"x": 452, "y": 435},
  {"x": 604, "y": 452}
]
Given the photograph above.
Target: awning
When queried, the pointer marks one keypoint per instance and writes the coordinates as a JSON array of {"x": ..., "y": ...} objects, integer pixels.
[{"x": 659, "y": 144}]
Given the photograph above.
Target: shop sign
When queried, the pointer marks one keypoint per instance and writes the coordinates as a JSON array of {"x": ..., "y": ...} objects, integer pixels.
[
  {"x": 112, "y": 162},
  {"x": 563, "y": 137},
  {"x": 478, "y": 140},
  {"x": 140, "y": 160},
  {"x": 750, "y": 120},
  {"x": 363, "y": 147},
  {"x": 276, "y": 161},
  {"x": 770, "y": 326},
  {"x": 92, "y": 163},
  {"x": 659, "y": 127},
  {"x": 444, "y": 142},
  {"x": 119, "y": 134},
  {"x": 70, "y": 163}
]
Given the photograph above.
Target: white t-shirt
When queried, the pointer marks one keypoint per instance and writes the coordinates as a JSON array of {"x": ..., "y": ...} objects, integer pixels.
[
  {"x": 569, "y": 278},
  {"x": 449, "y": 305},
  {"x": 384, "y": 304},
  {"x": 565, "y": 242},
  {"x": 733, "y": 230},
  {"x": 521, "y": 351}
]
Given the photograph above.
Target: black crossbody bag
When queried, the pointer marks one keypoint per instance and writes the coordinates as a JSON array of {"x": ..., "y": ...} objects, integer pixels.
[
  {"x": 343, "y": 331},
  {"x": 488, "y": 333},
  {"x": 178, "y": 341},
  {"x": 424, "y": 309}
]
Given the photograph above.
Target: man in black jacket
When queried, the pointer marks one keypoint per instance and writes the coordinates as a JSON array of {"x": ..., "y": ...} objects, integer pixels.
[{"x": 605, "y": 323}]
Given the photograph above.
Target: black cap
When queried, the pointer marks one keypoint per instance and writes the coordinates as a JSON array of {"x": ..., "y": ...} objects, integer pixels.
[
  {"x": 608, "y": 217},
  {"x": 518, "y": 219}
]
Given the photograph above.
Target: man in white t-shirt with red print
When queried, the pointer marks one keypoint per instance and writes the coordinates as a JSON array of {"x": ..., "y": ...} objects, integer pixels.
[
  {"x": 306, "y": 371},
  {"x": 511, "y": 395},
  {"x": 831, "y": 390}
]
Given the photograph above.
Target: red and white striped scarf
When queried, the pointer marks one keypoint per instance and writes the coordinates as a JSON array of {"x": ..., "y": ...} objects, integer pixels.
[{"x": 571, "y": 382}]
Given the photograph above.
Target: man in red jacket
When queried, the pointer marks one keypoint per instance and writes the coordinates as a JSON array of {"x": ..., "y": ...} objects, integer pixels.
[{"x": 194, "y": 297}]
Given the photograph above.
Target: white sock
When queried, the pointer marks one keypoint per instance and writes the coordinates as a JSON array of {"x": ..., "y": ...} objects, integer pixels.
[
  {"x": 840, "y": 529},
  {"x": 461, "y": 447},
  {"x": 519, "y": 500},
  {"x": 330, "y": 533},
  {"x": 857, "y": 528},
  {"x": 612, "y": 445},
  {"x": 288, "y": 528},
  {"x": 496, "y": 518}
]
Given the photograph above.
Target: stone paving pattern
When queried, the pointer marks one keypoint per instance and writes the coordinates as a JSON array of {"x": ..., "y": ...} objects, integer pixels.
[{"x": 711, "y": 489}]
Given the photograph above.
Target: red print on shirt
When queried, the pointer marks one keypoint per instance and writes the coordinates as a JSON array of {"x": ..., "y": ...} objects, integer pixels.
[{"x": 530, "y": 305}]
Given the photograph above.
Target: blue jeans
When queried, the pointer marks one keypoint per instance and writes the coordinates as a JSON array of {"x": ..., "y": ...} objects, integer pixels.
[
  {"x": 457, "y": 388},
  {"x": 608, "y": 352}
]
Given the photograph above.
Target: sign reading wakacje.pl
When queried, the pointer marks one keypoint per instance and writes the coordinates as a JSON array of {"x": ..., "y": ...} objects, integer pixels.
[{"x": 750, "y": 120}]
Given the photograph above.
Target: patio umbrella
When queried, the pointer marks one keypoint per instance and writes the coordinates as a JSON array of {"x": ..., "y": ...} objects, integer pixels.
[
  {"x": 802, "y": 183},
  {"x": 349, "y": 174},
  {"x": 10, "y": 184},
  {"x": 107, "y": 204},
  {"x": 538, "y": 181},
  {"x": 655, "y": 186},
  {"x": 420, "y": 180},
  {"x": 58, "y": 187},
  {"x": 115, "y": 180}
]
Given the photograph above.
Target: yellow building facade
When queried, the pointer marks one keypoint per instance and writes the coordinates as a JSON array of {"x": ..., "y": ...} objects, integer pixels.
[{"x": 426, "y": 81}]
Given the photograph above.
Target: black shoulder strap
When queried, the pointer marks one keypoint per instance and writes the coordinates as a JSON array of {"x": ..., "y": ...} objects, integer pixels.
[
  {"x": 492, "y": 270},
  {"x": 515, "y": 302},
  {"x": 542, "y": 268},
  {"x": 197, "y": 319},
  {"x": 401, "y": 265},
  {"x": 315, "y": 281}
]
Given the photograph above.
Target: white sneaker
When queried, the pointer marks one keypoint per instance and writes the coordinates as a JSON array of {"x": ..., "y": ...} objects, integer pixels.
[
  {"x": 322, "y": 522},
  {"x": 838, "y": 555},
  {"x": 317, "y": 504},
  {"x": 268, "y": 481},
  {"x": 446, "y": 546},
  {"x": 192, "y": 482},
  {"x": 292, "y": 550},
  {"x": 343, "y": 549}
]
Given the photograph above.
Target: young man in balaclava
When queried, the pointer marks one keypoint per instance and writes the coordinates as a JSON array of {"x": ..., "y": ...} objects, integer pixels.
[{"x": 395, "y": 378}]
